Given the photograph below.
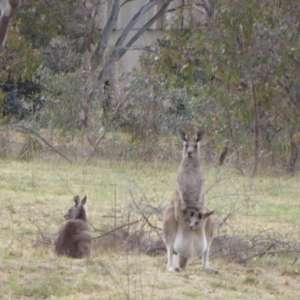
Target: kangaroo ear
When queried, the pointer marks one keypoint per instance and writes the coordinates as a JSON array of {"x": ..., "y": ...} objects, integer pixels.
[
  {"x": 200, "y": 134},
  {"x": 83, "y": 201},
  {"x": 181, "y": 133},
  {"x": 207, "y": 214},
  {"x": 76, "y": 200}
]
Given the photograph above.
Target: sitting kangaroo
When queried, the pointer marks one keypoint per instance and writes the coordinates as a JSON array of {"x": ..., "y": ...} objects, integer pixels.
[
  {"x": 189, "y": 234},
  {"x": 74, "y": 238}
]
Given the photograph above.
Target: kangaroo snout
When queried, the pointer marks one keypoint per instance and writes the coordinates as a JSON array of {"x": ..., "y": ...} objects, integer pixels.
[
  {"x": 190, "y": 153},
  {"x": 191, "y": 148}
]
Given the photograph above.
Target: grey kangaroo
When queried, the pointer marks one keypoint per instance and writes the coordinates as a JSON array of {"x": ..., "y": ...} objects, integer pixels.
[
  {"x": 74, "y": 238},
  {"x": 189, "y": 234},
  {"x": 190, "y": 178}
]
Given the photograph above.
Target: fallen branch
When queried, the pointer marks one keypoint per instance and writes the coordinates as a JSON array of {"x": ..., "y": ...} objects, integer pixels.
[
  {"x": 128, "y": 224},
  {"x": 31, "y": 130}
]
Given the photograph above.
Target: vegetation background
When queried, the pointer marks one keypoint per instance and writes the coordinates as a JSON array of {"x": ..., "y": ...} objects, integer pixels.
[{"x": 70, "y": 125}]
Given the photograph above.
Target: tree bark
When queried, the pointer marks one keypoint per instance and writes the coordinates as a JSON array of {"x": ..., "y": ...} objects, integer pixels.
[
  {"x": 232, "y": 136},
  {"x": 120, "y": 50},
  {"x": 256, "y": 130},
  {"x": 7, "y": 9},
  {"x": 293, "y": 158},
  {"x": 106, "y": 33}
]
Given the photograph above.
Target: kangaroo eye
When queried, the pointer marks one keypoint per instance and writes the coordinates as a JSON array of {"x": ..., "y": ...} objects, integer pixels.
[
  {"x": 196, "y": 223},
  {"x": 200, "y": 216},
  {"x": 192, "y": 213}
]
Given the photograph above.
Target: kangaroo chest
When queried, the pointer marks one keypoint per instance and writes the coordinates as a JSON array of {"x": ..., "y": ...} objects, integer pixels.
[
  {"x": 190, "y": 185},
  {"x": 190, "y": 243}
]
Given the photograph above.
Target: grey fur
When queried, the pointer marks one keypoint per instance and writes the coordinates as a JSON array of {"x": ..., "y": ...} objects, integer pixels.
[
  {"x": 190, "y": 178},
  {"x": 188, "y": 232},
  {"x": 74, "y": 238}
]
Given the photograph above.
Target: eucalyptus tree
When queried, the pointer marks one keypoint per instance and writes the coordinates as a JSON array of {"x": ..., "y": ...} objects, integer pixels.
[
  {"x": 255, "y": 47},
  {"x": 59, "y": 44},
  {"x": 238, "y": 68}
]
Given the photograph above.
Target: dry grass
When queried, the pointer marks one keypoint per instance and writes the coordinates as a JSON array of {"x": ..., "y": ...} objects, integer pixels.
[{"x": 36, "y": 194}]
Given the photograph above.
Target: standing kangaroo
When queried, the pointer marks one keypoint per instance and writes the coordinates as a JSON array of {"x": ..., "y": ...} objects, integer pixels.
[
  {"x": 190, "y": 178},
  {"x": 188, "y": 223},
  {"x": 189, "y": 234},
  {"x": 74, "y": 237}
]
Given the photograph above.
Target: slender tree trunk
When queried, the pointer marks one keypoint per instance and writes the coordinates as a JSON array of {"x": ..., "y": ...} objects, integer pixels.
[
  {"x": 210, "y": 9},
  {"x": 7, "y": 9},
  {"x": 120, "y": 49},
  {"x": 232, "y": 136},
  {"x": 292, "y": 159},
  {"x": 291, "y": 166},
  {"x": 106, "y": 33},
  {"x": 256, "y": 129}
]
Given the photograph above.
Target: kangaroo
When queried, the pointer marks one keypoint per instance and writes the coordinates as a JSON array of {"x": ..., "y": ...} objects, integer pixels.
[
  {"x": 188, "y": 235},
  {"x": 190, "y": 177},
  {"x": 74, "y": 237}
]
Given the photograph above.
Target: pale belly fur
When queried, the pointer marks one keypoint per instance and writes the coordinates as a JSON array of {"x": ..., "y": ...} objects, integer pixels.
[{"x": 189, "y": 243}]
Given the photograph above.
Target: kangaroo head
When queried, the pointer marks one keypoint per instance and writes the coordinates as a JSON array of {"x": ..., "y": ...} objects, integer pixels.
[
  {"x": 75, "y": 211},
  {"x": 71, "y": 212},
  {"x": 193, "y": 218},
  {"x": 196, "y": 219},
  {"x": 190, "y": 145}
]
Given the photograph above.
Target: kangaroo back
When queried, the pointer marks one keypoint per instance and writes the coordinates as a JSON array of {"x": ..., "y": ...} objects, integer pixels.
[{"x": 74, "y": 238}]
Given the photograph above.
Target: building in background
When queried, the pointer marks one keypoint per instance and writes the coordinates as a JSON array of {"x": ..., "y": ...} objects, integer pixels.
[{"x": 156, "y": 31}]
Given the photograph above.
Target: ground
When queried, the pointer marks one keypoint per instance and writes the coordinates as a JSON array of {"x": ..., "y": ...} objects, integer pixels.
[{"x": 36, "y": 194}]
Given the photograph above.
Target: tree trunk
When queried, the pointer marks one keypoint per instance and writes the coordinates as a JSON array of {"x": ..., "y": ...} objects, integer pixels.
[
  {"x": 292, "y": 159},
  {"x": 7, "y": 9},
  {"x": 232, "y": 136},
  {"x": 119, "y": 49},
  {"x": 106, "y": 33},
  {"x": 256, "y": 125}
]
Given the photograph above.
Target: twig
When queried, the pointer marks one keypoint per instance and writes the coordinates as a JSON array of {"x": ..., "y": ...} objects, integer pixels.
[
  {"x": 134, "y": 222},
  {"x": 109, "y": 216},
  {"x": 46, "y": 240},
  {"x": 233, "y": 213},
  {"x": 272, "y": 253},
  {"x": 96, "y": 144},
  {"x": 270, "y": 247},
  {"x": 143, "y": 215},
  {"x": 95, "y": 229},
  {"x": 239, "y": 169},
  {"x": 213, "y": 185}
]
